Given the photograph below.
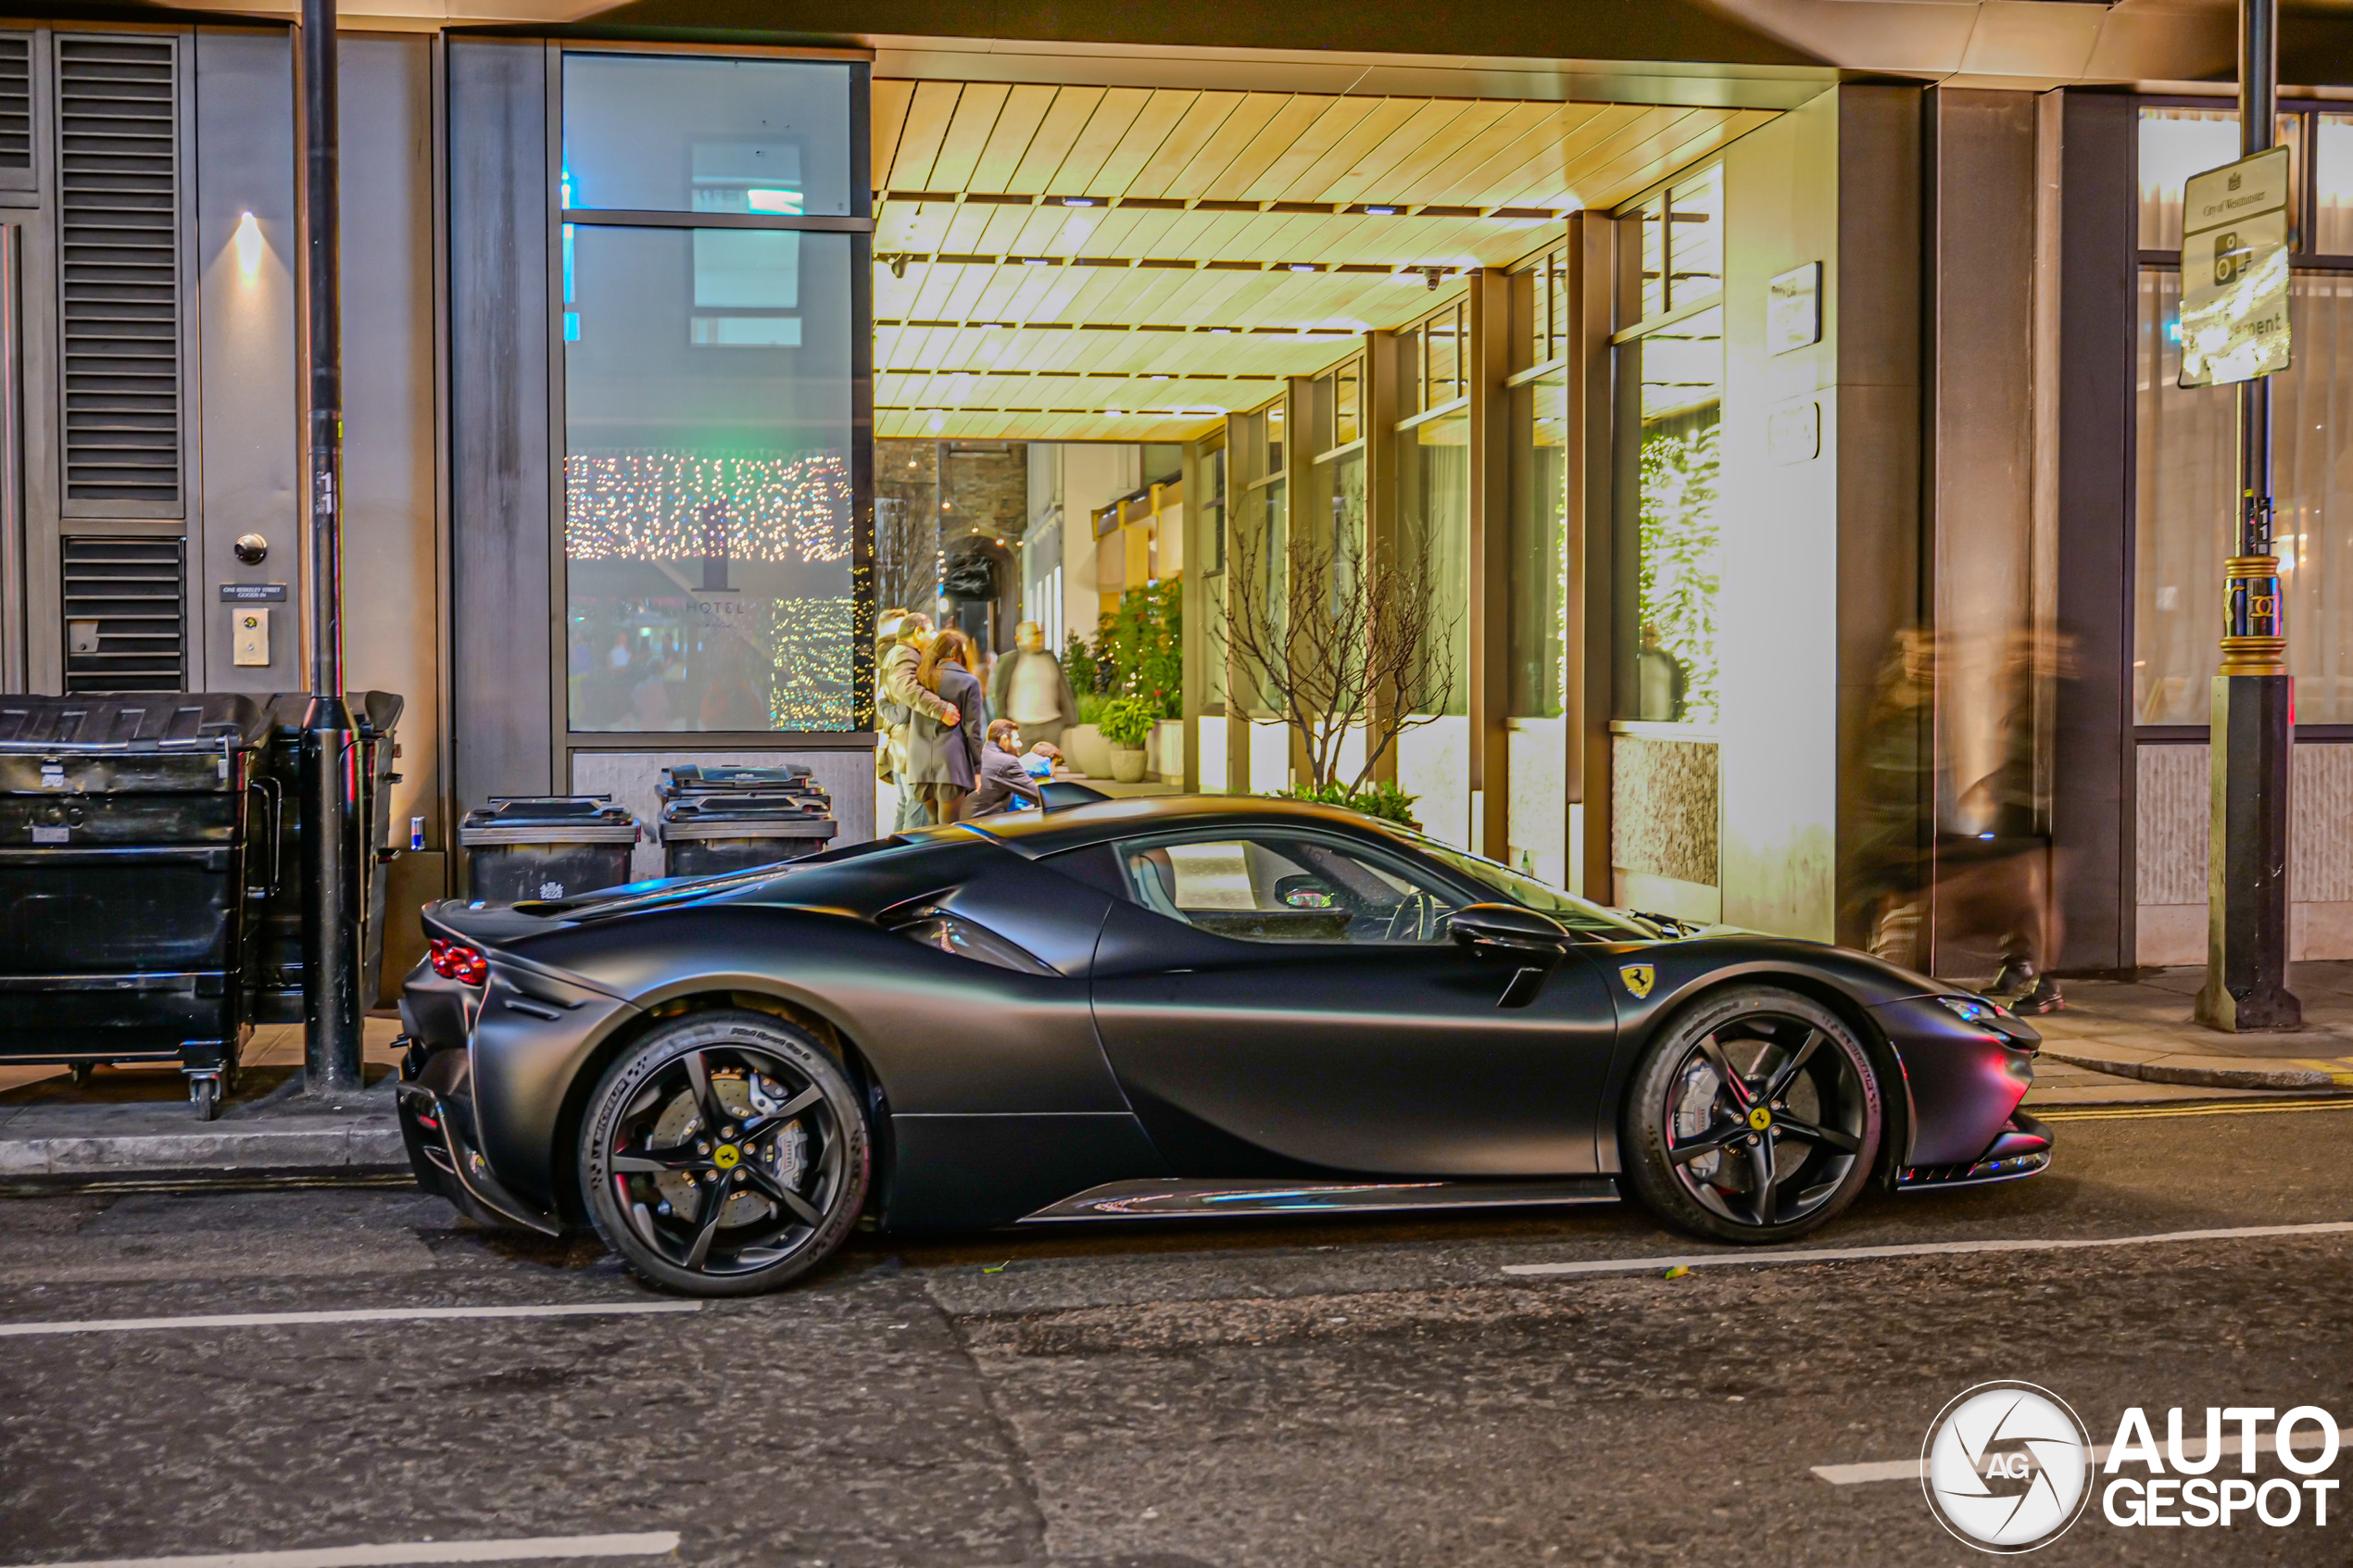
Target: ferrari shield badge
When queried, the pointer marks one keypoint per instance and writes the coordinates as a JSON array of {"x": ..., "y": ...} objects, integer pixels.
[{"x": 1637, "y": 978}]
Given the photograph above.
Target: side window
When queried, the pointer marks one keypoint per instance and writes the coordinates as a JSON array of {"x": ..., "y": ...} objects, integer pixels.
[{"x": 1274, "y": 888}]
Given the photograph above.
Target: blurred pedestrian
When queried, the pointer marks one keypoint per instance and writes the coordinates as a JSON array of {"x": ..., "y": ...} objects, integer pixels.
[
  {"x": 1005, "y": 784},
  {"x": 1030, "y": 687},
  {"x": 943, "y": 753},
  {"x": 901, "y": 698}
]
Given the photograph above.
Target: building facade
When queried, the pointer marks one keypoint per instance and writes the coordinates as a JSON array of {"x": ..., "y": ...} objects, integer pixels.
[{"x": 1778, "y": 408}]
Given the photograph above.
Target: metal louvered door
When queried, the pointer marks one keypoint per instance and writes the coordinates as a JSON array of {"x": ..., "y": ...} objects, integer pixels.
[
  {"x": 119, "y": 274},
  {"x": 122, "y": 579}
]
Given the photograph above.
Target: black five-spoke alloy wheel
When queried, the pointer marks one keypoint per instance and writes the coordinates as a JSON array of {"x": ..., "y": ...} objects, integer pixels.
[
  {"x": 725, "y": 1154},
  {"x": 1755, "y": 1117}
]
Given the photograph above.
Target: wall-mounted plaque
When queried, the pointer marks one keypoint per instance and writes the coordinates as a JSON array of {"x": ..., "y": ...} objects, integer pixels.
[
  {"x": 1793, "y": 309},
  {"x": 1795, "y": 435}
]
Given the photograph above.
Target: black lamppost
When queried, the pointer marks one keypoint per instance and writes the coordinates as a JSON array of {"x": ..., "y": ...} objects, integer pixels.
[
  {"x": 330, "y": 839},
  {"x": 2254, "y": 696}
]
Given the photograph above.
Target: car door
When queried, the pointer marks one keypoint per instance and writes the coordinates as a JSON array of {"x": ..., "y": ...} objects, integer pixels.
[{"x": 1285, "y": 998}]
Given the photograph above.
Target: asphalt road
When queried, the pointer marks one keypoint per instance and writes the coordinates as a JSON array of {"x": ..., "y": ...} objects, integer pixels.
[{"x": 1367, "y": 1393}]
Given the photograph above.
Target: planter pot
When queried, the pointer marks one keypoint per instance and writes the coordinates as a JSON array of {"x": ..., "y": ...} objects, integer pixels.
[
  {"x": 1168, "y": 750},
  {"x": 1085, "y": 750},
  {"x": 1127, "y": 763}
]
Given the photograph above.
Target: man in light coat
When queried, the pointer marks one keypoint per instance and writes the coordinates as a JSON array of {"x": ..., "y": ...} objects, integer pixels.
[
  {"x": 898, "y": 696},
  {"x": 1030, "y": 687}
]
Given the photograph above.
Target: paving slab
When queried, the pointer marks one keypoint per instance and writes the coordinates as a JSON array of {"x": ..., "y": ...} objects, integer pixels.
[{"x": 2143, "y": 1029}]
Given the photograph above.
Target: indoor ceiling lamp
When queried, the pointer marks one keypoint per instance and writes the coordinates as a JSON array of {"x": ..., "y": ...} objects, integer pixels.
[
  {"x": 1078, "y": 201},
  {"x": 1382, "y": 209}
]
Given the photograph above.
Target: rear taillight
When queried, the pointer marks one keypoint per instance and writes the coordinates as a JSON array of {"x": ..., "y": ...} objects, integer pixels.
[{"x": 455, "y": 960}]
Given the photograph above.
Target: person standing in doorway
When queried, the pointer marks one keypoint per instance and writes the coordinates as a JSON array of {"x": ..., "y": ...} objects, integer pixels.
[
  {"x": 901, "y": 698},
  {"x": 1030, "y": 687},
  {"x": 943, "y": 755}
]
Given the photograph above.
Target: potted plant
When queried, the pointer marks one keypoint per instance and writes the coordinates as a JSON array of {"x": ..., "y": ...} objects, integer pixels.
[{"x": 1126, "y": 723}]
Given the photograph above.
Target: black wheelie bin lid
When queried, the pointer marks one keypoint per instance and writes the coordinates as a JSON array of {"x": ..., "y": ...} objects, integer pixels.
[
  {"x": 373, "y": 714},
  {"x": 548, "y": 818},
  {"x": 125, "y": 742},
  {"x": 731, "y": 815},
  {"x": 689, "y": 778}
]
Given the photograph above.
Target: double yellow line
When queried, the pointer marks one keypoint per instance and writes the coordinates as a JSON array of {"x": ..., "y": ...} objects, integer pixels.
[{"x": 2188, "y": 1108}]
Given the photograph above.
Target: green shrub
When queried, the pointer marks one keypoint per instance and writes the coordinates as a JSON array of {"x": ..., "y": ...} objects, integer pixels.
[
  {"x": 1078, "y": 663},
  {"x": 1128, "y": 721},
  {"x": 1386, "y": 801},
  {"x": 1091, "y": 707}
]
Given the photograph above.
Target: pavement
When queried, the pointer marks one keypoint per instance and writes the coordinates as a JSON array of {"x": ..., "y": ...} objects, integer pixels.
[
  {"x": 2143, "y": 1029},
  {"x": 349, "y": 1375},
  {"x": 134, "y": 1124}
]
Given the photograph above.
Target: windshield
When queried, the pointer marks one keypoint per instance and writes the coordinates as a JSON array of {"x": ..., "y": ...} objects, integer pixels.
[{"x": 1576, "y": 913}]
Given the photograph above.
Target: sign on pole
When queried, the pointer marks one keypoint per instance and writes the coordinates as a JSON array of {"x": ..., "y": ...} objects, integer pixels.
[{"x": 2234, "y": 271}]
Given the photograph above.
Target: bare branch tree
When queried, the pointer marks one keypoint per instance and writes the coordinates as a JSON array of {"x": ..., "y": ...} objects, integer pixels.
[
  {"x": 1333, "y": 642},
  {"x": 906, "y": 554}
]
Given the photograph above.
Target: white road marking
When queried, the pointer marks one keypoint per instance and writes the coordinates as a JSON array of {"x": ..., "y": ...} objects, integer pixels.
[
  {"x": 1912, "y": 1249},
  {"x": 1910, "y": 1469},
  {"x": 652, "y": 1543},
  {"x": 365, "y": 1314}
]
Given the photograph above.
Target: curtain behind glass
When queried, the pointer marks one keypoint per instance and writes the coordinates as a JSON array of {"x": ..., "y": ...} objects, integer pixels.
[{"x": 2186, "y": 525}]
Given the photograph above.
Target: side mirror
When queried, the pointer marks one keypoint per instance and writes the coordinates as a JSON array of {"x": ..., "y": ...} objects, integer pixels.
[{"x": 1509, "y": 930}]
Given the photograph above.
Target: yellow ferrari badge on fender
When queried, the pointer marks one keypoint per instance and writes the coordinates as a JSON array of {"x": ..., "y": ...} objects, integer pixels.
[{"x": 1637, "y": 978}]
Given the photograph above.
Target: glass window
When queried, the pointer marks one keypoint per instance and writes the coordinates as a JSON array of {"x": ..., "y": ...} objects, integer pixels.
[
  {"x": 2177, "y": 142},
  {"x": 1536, "y": 626},
  {"x": 1566, "y": 908},
  {"x": 2185, "y": 524},
  {"x": 1278, "y": 888},
  {"x": 1539, "y": 312},
  {"x": 1433, "y": 529},
  {"x": 707, "y": 516},
  {"x": 1651, "y": 219},
  {"x": 2332, "y": 175},
  {"x": 1695, "y": 238},
  {"x": 1669, "y": 673},
  {"x": 672, "y": 133}
]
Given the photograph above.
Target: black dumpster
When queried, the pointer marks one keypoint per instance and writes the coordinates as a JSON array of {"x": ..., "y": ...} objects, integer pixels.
[
  {"x": 277, "y": 968},
  {"x": 546, "y": 847},
  {"x": 135, "y": 846},
  {"x": 733, "y": 831}
]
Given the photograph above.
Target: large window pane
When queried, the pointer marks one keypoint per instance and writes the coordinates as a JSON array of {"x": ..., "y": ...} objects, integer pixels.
[
  {"x": 2333, "y": 169},
  {"x": 1537, "y": 622},
  {"x": 669, "y": 133},
  {"x": 2186, "y": 525},
  {"x": 1680, "y": 530},
  {"x": 2176, "y": 144},
  {"x": 1433, "y": 526},
  {"x": 1695, "y": 224},
  {"x": 707, "y": 430}
]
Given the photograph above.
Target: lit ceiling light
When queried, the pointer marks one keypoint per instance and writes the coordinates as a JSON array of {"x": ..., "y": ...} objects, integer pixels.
[
  {"x": 1221, "y": 332},
  {"x": 1037, "y": 261},
  {"x": 247, "y": 240},
  {"x": 1301, "y": 266},
  {"x": 938, "y": 424},
  {"x": 1078, "y": 201},
  {"x": 1160, "y": 377},
  {"x": 1382, "y": 209}
]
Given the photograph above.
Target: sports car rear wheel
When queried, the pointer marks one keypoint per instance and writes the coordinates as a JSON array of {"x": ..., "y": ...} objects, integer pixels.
[
  {"x": 1755, "y": 1117},
  {"x": 723, "y": 1155}
]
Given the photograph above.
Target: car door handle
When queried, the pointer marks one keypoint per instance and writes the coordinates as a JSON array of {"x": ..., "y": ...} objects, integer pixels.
[{"x": 1523, "y": 987}]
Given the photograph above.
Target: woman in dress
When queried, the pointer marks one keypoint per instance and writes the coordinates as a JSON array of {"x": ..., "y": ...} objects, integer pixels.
[{"x": 943, "y": 760}]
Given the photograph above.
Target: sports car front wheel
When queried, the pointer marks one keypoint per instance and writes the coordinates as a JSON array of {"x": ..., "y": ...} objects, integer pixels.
[
  {"x": 723, "y": 1155},
  {"x": 1755, "y": 1117}
]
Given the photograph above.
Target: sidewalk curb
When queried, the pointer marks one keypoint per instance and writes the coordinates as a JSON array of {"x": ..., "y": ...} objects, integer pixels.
[{"x": 2210, "y": 1072}]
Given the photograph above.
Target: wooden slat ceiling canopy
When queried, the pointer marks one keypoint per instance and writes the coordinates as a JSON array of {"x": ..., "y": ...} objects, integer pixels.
[{"x": 1125, "y": 263}]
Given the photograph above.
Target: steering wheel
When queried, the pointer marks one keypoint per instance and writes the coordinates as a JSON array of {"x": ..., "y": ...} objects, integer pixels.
[{"x": 1413, "y": 917}]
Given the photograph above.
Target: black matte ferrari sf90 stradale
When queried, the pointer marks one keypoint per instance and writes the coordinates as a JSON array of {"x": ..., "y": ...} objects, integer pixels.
[{"x": 1187, "y": 1005}]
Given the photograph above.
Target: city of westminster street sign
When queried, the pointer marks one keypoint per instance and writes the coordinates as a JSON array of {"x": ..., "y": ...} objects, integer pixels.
[{"x": 2234, "y": 270}]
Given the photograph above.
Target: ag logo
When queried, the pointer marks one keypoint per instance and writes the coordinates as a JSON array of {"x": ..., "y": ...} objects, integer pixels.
[
  {"x": 2006, "y": 1467},
  {"x": 1637, "y": 978}
]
